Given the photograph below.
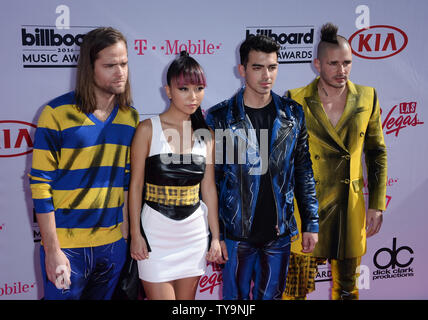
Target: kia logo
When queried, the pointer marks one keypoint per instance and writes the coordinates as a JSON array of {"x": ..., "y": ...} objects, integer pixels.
[
  {"x": 378, "y": 42},
  {"x": 15, "y": 138}
]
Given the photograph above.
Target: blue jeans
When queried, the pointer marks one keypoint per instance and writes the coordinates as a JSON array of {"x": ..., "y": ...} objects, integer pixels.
[
  {"x": 95, "y": 272},
  {"x": 265, "y": 265}
]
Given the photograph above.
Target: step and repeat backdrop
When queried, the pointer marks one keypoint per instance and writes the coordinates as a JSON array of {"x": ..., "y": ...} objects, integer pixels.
[{"x": 40, "y": 49}]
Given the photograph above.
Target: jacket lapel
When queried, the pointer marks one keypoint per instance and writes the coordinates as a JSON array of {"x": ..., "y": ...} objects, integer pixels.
[
  {"x": 282, "y": 125},
  {"x": 350, "y": 108},
  {"x": 239, "y": 124}
]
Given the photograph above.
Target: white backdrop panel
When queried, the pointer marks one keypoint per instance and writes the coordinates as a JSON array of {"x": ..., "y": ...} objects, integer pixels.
[{"x": 212, "y": 31}]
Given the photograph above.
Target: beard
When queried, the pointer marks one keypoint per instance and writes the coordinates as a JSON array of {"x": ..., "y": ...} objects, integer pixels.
[
  {"x": 332, "y": 82},
  {"x": 112, "y": 88}
]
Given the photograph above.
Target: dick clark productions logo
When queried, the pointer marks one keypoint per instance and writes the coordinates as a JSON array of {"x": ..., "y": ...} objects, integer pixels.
[{"x": 393, "y": 262}]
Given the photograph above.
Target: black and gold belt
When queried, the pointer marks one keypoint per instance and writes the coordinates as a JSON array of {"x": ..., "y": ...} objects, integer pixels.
[{"x": 175, "y": 202}]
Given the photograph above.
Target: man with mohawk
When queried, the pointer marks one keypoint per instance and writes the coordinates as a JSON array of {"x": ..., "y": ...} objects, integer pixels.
[{"x": 343, "y": 121}]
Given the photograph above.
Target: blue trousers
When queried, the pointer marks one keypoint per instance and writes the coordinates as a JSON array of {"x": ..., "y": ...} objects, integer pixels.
[
  {"x": 95, "y": 272},
  {"x": 265, "y": 265}
]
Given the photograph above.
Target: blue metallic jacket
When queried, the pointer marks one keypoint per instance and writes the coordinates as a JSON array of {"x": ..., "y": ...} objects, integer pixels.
[{"x": 240, "y": 161}]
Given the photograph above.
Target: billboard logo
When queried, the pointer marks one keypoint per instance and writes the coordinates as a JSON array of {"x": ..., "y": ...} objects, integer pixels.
[
  {"x": 378, "y": 42},
  {"x": 16, "y": 138},
  {"x": 323, "y": 273},
  {"x": 297, "y": 42},
  {"x": 49, "y": 37},
  {"x": 49, "y": 47}
]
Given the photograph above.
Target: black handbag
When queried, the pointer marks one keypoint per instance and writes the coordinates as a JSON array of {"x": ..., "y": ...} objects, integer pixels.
[
  {"x": 130, "y": 286},
  {"x": 129, "y": 282}
]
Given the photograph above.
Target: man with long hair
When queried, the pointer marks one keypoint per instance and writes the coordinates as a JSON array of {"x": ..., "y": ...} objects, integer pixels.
[
  {"x": 343, "y": 121},
  {"x": 256, "y": 190},
  {"x": 80, "y": 173}
]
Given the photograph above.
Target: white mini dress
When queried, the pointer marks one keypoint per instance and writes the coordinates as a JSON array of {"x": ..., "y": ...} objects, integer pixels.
[{"x": 178, "y": 246}]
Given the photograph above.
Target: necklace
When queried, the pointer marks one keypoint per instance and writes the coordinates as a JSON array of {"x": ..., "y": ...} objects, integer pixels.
[{"x": 325, "y": 91}]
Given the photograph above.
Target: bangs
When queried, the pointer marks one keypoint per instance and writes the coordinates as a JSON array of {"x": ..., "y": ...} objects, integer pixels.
[{"x": 194, "y": 76}]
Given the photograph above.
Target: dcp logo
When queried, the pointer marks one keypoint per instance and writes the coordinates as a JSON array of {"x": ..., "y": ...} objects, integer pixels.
[{"x": 392, "y": 260}]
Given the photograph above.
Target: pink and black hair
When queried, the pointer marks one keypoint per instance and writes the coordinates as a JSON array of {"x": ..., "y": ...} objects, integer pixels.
[{"x": 185, "y": 70}]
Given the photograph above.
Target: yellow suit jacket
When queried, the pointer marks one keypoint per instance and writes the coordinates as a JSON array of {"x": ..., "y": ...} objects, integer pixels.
[{"x": 336, "y": 154}]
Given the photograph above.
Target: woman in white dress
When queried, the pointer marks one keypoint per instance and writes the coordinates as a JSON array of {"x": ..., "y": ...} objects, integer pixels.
[{"x": 171, "y": 166}]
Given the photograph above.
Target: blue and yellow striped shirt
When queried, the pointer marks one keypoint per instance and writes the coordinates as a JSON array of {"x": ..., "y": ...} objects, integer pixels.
[{"x": 81, "y": 167}]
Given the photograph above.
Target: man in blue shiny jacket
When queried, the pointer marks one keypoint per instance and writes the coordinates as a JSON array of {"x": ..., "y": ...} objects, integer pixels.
[{"x": 262, "y": 163}]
